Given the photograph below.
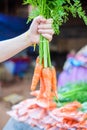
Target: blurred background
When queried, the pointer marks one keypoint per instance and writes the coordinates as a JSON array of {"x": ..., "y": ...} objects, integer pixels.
[{"x": 16, "y": 73}]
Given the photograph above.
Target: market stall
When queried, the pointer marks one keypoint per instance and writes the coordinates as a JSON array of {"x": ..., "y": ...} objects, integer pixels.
[{"x": 53, "y": 108}]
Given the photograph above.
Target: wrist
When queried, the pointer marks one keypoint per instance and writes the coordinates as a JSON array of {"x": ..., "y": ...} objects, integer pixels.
[{"x": 28, "y": 37}]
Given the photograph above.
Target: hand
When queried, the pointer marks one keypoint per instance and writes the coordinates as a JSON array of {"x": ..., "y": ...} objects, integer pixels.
[{"x": 39, "y": 26}]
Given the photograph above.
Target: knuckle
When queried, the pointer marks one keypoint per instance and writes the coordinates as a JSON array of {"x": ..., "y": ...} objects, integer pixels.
[{"x": 52, "y": 31}]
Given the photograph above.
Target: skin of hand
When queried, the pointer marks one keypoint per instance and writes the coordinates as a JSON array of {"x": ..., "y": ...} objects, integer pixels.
[{"x": 39, "y": 26}]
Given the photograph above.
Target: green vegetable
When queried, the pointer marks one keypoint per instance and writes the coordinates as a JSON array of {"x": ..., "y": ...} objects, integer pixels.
[
  {"x": 59, "y": 11},
  {"x": 78, "y": 92},
  {"x": 84, "y": 107}
]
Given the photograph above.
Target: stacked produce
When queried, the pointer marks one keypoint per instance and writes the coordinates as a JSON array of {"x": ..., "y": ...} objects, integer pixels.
[
  {"x": 42, "y": 111},
  {"x": 36, "y": 114}
]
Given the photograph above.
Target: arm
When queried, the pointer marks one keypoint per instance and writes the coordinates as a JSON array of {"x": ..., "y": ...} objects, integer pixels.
[{"x": 11, "y": 47}]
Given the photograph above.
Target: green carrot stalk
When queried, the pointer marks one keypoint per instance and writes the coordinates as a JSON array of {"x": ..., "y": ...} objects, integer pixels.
[
  {"x": 49, "y": 58},
  {"x": 45, "y": 52},
  {"x": 41, "y": 49}
]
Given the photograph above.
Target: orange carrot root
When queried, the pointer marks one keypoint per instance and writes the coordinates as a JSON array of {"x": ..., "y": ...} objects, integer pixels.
[
  {"x": 54, "y": 81},
  {"x": 36, "y": 76},
  {"x": 47, "y": 77},
  {"x": 37, "y": 60},
  {"x": 42, "y": 88}
]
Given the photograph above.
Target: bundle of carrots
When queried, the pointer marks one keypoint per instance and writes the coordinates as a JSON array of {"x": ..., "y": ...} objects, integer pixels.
[{"x": 47, "y": 78}]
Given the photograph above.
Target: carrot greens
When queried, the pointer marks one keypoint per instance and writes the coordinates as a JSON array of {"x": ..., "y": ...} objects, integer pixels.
[{"x": 59, "y": 11}]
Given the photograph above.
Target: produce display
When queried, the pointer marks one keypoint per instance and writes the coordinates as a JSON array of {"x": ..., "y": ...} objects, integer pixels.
[
  {"x": 52, "y": 109},
  {"x": 72, "y": 92},
  {"x": 36, "y": 113}
]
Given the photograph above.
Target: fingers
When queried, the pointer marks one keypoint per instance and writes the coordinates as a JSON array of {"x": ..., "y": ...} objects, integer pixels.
[
  {"x": 45, "y": 26},
  {"x": 49, "y": 21},
  {"x": 47, "y": 36},
  {"x": 46, "y": 31},
  {"x": 40, "y": 19}
]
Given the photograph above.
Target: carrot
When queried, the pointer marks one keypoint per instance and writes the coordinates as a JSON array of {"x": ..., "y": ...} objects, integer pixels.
[
  {"x": 42, "y": 88},
  {"x": 54, "y": 81},
  {"x": 48, "y": 126},
  {"x": 35, "y": 93},
  {"x": 36, "y": 76},
  {"x": 37, "y": 60},
  {"x": 52, "y": 105},
  {"x": 47, "y": 78},
  {"x": 69, "y": 120},
  {"x": 33, "y": 106}
]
